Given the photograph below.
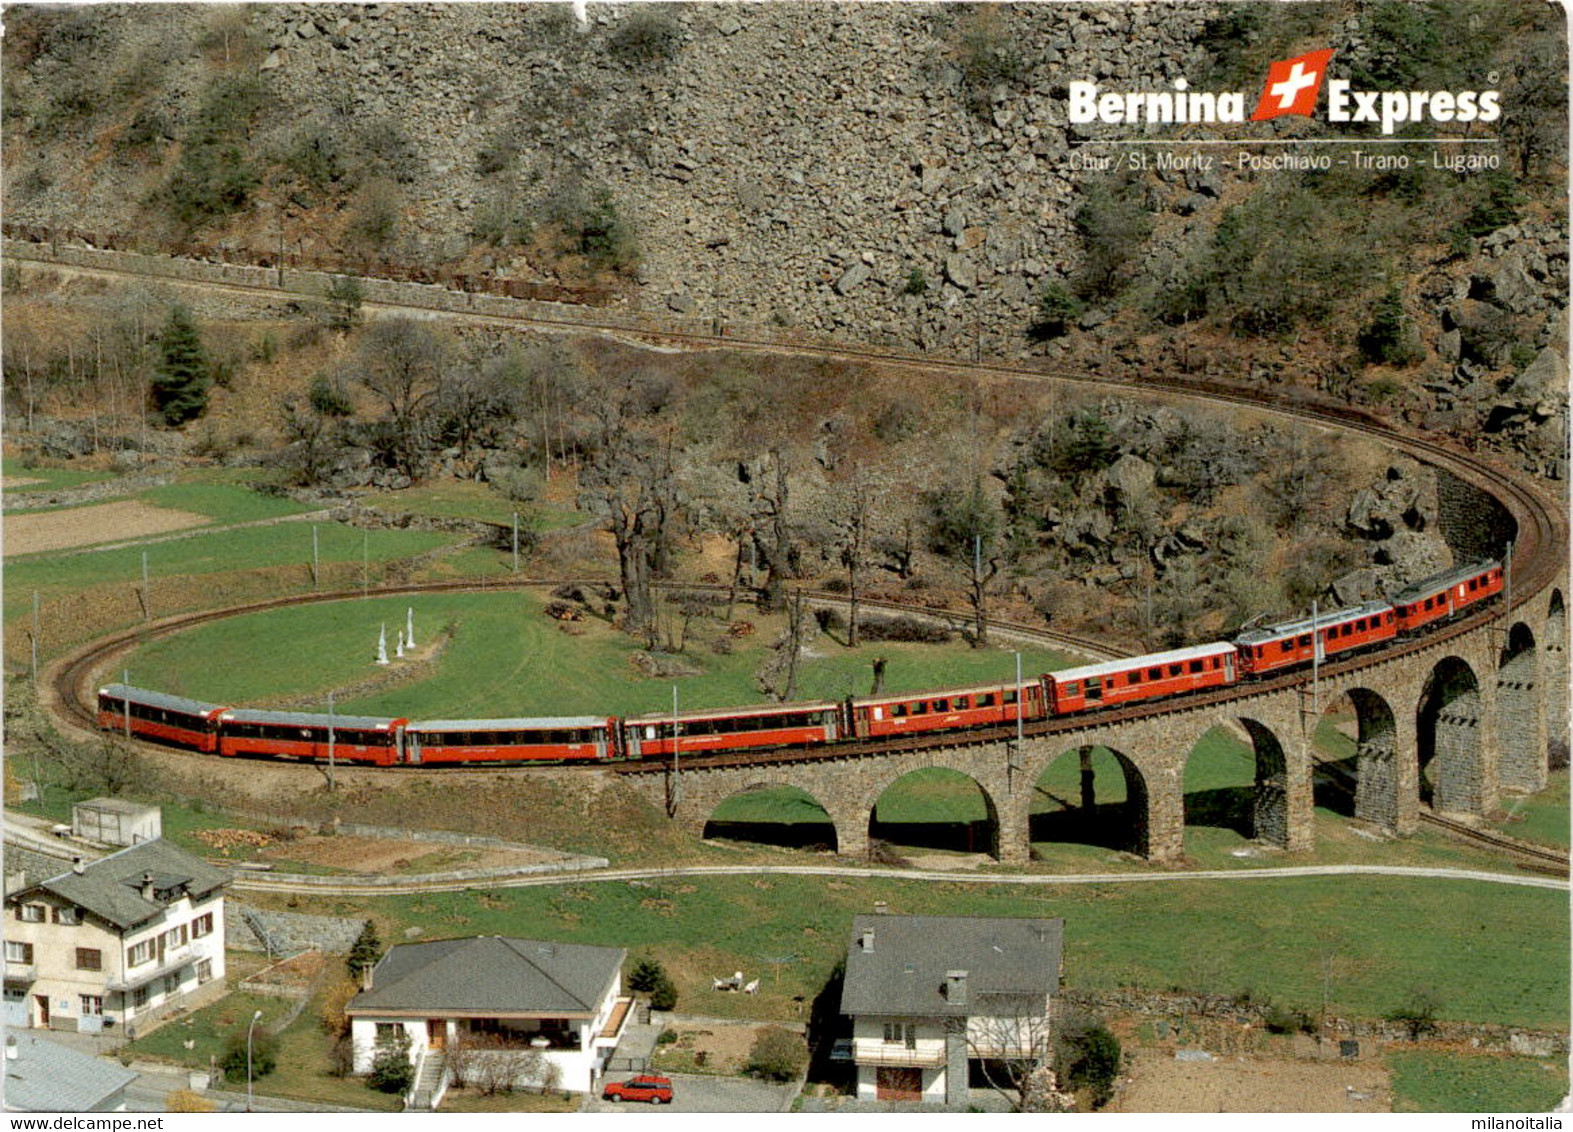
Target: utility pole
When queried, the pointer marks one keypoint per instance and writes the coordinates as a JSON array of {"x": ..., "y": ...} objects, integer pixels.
[
  {"x": 34, "y": 642},
  {"x": 147, "y": 597},
  {"x": 1507, "y": 581},
  {"x": 671, "y": 799},
  {"x": 1316, "y": 670},
  {"x": 365, "y": 563},
  {"x": 316, "y": 560},
  {"x": 516, "y": 542},
  {"x": 125, "y": 682},
  {"x": 332, "y": 782}
]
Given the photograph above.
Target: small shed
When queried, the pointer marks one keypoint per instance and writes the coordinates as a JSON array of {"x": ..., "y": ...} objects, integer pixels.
[{"x": 114, "y": 821}]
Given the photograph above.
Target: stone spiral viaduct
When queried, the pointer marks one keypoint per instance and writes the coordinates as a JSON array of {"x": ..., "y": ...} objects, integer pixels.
[{"x": 1458, "y": 717}]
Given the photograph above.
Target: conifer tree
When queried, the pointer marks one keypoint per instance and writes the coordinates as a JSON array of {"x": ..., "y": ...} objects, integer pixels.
[{"x": 183, "y": 376}]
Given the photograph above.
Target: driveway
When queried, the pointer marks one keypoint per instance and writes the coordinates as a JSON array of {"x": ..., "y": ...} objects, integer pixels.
[{"x": 697, "y": 1093}]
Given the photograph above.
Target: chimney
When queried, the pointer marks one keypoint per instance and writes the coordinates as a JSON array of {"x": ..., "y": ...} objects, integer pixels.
[
  {"x": 880, "y": 908},
  {"x": 147, "y": 887},
  {"x": 365, "y": 977},
  {"x": 77, "y": 866},
  {"x": 956, "y": 988},
  {"x": 868, "y": 939}
]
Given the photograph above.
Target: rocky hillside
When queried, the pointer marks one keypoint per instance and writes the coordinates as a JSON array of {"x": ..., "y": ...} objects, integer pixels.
[{"x": 896, "y": 173}]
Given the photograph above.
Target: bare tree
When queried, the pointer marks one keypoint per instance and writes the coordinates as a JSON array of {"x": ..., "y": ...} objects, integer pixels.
[
  {"x": 401, "y": 363},
  {"x": 1012, "y": 1037},
  {"x": 629, "y": 479}
]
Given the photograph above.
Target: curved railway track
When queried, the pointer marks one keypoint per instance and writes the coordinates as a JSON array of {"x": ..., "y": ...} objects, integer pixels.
[{"x": 1540, "y": 537}]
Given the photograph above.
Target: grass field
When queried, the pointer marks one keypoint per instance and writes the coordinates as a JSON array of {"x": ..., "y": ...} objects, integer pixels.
[
  {"x": 219, "y": 552},
  {"x": 1541, "y": 817},
  {"x": 1494, "y": 954},
  {"x": 49, "y": 479},
  {"x": 1438, "y": 1081},
  {"x": 505, "y": 657},
  {"x": 301, "y": 1072}
]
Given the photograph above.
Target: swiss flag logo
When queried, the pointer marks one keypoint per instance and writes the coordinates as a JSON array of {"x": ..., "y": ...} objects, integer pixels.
[{"x": 1292, "y": 86}]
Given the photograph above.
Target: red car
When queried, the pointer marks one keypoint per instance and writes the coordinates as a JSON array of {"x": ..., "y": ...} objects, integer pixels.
[{"x": 656, "y": 1090}]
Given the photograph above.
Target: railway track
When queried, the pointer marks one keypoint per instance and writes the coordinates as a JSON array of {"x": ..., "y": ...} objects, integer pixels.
[
  {"x": 1540, "y": 536},
  {"x": 73, "y": 681}
]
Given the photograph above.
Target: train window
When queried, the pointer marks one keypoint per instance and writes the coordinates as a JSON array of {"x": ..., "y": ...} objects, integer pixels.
[
  {"x": 963, "y": 702},
  {"x": 1176, "y": 669},
  {"x": 1094, "y": 688},
  {"x": 1010, "y": 696},
  {"x": 1196, "y": 666},
  {"x": 898, "y": 711},
  {"x": 1072, "y": 688},
  {"x": 1155, "y": 674},
  {"x": 920, "y": 708},
  {"x": 1305, "y": 640},
  {"x": 1133, "y": 677},
  {"x": 986, "y": 699}
]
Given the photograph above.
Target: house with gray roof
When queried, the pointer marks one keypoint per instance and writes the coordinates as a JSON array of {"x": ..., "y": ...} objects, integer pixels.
[
  {"x": 41, "y": 1076},
  {"x": 117, "y": 944},
  {"x": 486, "y": 997},
  {"x": 931, "y": 998}
]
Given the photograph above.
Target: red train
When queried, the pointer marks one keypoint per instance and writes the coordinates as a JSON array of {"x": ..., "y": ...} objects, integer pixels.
[{"x": 377, "y": 741}]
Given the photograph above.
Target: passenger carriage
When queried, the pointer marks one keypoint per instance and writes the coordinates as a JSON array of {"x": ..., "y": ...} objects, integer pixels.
[
  {"x": 561, "y": 738},
  {"x": 980, "y": 706},
  {"x": 1139, "y": 678},
  {"x": 305, "y": 735},
  {"x": 1442, "y": 596},
  {"x": 1290, "y": 643},
  {"x": 726, "y": 729},
  {"x": 160, "y": 717}
]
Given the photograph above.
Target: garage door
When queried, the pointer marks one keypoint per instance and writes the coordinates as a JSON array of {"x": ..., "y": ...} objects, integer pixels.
[{"x": 891, "y": 1084}]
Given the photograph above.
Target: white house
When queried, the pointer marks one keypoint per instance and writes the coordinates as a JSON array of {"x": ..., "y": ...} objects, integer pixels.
[
  {"x": 934, "y": 998},
  {"x": 493, "y": 995},
  {"x": 116, "y": 944}
]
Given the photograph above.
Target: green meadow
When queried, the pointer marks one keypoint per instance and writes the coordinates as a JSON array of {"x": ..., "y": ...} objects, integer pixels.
[{"x": 503, "y": 656}]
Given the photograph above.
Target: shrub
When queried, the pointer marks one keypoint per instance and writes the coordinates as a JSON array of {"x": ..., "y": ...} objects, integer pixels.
[
  {"x": 1388, "y": 339},
  {"x": 264, "y": 1053},
  {"x": 777, "y": 1055},
  {"x": 1088, "y": 1057},
  {"x": 184, "y": 1100},
  {"x": 903, "y": 629},
  {"x": 1417, "y": 1012},
  {"x": 648, "y": 36},
  {"x": 1057, "y": 310},
  {"x": 650, "y": 977},
  {"x": 392, "y": 1071},
  {"x": 917, "y": 283}
]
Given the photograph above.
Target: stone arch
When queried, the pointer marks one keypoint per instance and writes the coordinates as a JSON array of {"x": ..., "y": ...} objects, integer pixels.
[
  {"x": 1554, "y": 678},
  {"x": 1521, "y": 744},
  {"x": 969, "y": 834},
  {"x": 774, "y": 813},
  {"x": 1259, "y": 810},
  {"x": 1377, "y": 770},
  {"x": 1080, "y": 817},
  {"x": 1448, "y": 723}
]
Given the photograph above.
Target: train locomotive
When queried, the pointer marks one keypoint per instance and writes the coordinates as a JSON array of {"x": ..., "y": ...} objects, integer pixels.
[{"x": 388, "y": 741}]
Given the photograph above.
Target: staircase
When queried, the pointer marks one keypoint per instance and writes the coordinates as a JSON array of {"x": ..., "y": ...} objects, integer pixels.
[{"x": 429, "y": 1085}]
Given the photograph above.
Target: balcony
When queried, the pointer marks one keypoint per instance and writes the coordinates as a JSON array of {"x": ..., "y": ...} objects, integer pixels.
[
  {"x": 872, "y": 1051},
  {"x": 174, "y": 960},
  {"x": 20, "y": 971}
]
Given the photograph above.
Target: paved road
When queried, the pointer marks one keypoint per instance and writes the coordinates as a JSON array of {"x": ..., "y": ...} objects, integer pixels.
[
  {"x": 697, "y": 1093},
  {"x": 255, "y": 884}
]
